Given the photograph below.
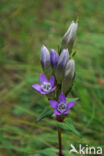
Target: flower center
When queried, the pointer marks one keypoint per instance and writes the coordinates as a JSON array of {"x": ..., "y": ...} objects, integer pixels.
[
  {"x": 61, "y": 107},
  {"x": 46, "y": 86}
]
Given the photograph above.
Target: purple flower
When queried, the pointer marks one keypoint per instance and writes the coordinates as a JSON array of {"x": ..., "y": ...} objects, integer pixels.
[
  {"x": 45, "y": 61},
  {"x": 60, "y": 69},
  {"x": 46, "y": 86},
  {"x": 61, "y": 107},
  {"x": 68, "y": 76},
  {"x": 69, "y": 37},
  {"x": 54, "y": 58}
]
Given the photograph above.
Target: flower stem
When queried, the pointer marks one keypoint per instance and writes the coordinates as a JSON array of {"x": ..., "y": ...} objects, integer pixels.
[
  {"x": 60, "y": 141},
  {"x": 59, "y": 119}
]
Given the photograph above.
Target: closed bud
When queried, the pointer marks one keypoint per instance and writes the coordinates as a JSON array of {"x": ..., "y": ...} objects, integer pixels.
[
  {"x": 45, "y": 61},
  {"x": 60, "y": 69},
  {"x": 69, "y": 37},
  {"x": 69, "y": 76},
  {"x": 54, "y": 58}
]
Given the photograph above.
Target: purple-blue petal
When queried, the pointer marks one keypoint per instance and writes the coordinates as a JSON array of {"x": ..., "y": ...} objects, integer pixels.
[
  {"x": 53, "y": 103},
  {"x": 66, "y": 112},
  {"x": 42, "y": 92},
  {"x": 52, "y": 89},
  {"x": 43, "y": 78},
  {"x": 45, "y": 57},
  {"x": 37, "y": 87},
  {"x": 62, "y": 98},
  {"x": 52, "y": 81},
  {"x": 63, "y": 58},
  {"x": 70, "y": 104},
  {"x": 56, "y": 112},
  {"x": 54, "y": 58}
]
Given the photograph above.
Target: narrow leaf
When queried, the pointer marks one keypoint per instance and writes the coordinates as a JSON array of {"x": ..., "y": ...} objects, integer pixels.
[
  {"x": 71, "y": 99},
  {"x": 68, "y": 125},
  {"x": 46, "y": 112}
]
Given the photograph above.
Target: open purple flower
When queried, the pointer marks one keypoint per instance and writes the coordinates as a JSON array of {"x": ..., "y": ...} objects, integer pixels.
[
  {"x": 46, "y": 86},
  {"x": 61, "y": 107}
]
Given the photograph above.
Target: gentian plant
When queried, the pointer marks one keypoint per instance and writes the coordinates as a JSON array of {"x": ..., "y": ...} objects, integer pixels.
[{"x": 58, "y": 77}]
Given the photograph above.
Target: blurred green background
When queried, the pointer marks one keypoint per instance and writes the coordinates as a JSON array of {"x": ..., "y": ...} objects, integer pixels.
[{"x": 24, "y": 26}]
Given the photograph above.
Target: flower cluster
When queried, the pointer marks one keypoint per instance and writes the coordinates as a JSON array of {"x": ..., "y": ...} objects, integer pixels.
[{"x": 59, "y": 72}]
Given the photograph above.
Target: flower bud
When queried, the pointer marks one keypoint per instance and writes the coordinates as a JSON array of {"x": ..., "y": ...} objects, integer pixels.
[
  {"x": 69, "y": 37},
  {"x": 45, "y": 61},
  {"x": 69, "y": 76},
  {"x": 54, "y": 58},
  {"x": 60, "y": 69}
]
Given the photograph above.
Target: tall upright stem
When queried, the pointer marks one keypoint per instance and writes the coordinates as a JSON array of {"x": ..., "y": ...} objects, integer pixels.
[
  {"x": 60, "y": 141},
  {"x": 59, "y": 119}
]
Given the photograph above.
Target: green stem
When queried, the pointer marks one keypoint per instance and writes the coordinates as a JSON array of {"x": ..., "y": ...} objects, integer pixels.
[
  {"x": 59, "y": 119},
  {"x": 60, "y": 141}
]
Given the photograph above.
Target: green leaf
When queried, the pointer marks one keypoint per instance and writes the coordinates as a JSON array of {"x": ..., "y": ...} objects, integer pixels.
[
  {"x": 47, "y": 112},
  {"x": 73, "y": 53},
  {"x": 68, "y": 125},
  {"x": 71, "y": 99}
]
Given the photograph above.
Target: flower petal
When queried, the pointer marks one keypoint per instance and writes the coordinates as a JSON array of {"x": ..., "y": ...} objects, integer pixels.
[
  {"x": 52, "y": 89},
  {"x": 60, "y": 69},
  {"x": 69, "y": 37},
  {"x": 43, "y": 78},
  {"x": 45, "y": 61},
  {"x": 62, "y": 98},
  {"x": 66, "y": 112},
  {"x": 42, "y": 92},
  {"x": 53, "y": 103},
  {"x": 70, "y": 104},
  {"x": 52, "y": 80},
  {"x": 37, "y": 87},
  {"x": 54, "y": 58},
  {"x": 56, "y": 112}
]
